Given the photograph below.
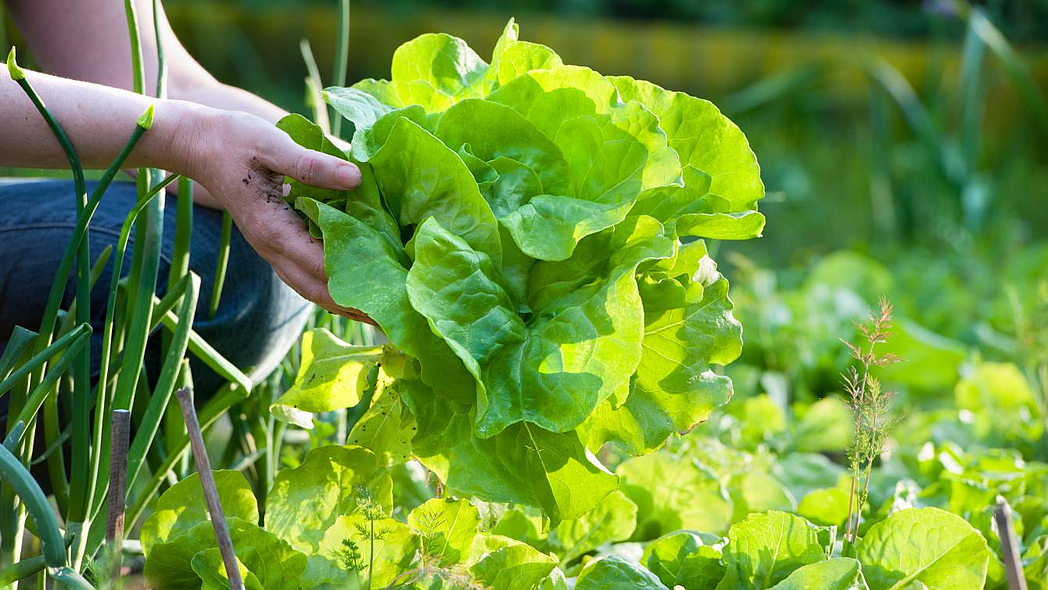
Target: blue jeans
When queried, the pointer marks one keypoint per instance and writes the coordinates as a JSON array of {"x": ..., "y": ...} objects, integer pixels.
[{"x": 257, "y": 322}]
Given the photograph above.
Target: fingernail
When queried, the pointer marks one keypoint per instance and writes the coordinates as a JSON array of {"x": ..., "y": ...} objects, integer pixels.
[{"x": 347, "y": 176}]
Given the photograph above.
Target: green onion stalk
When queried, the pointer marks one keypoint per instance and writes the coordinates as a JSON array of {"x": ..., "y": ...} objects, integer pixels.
[
  {"x": 77, "y": 249},
  {"x": 142, "y": 282}
]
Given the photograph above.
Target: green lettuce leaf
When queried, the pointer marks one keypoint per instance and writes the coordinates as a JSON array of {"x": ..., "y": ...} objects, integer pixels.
[
  {"x": 495, "y": 132},
  {"x": 687, "y": 497},
  {"x": 523, "y": 464},
  {"x": 826, "y": 506},
  {"x": 332, "y": 376},
  {"x": 555, "y": 581},
  {"x": 613, "y": 519},
  {"x": 367, "y": 141},
  {"x": 680, "y": 343},
  {"x": 688, "y": 328},
  {"x": 833, "y": 574},
  {"x": 343, "y": 559},
  {"x": 208, "y": 564},
  {"x": 273, "y": 562},
  {"x": 357, "y": 105},
  {"x": 305, "y": 501},
  {"x": 352, "y": 249},
  {"x": 543, "y": 373},
  {"x": 765, "y": 548},
  {"x": 804, "y": 473},
  {"x": 421, "y": 178},
  {"x": 387, "y": 427},
  {"x": 928, "y": 546},
  {"x": 721, "y": 226},
  {"x": 615, "y": 573},
  {"x": 458, "y": 289},
  {"x": 685, "y": 558},
  {"x": 381, "y": 90},
  {"x": 1035, "y": 563},
  {"x": 613, "y": 151},
  {"x": 513, "y": 57},
  {"x": 757, "y": 491},
  {"x": 436, "y": 70},
  {"x": 514, "y": 567},
  {"x": 1000, "y": 391},
  {"x": 630, "y": 244},
  {"x": 706, "y": 140},
  {"x": 182, "y": 507}
]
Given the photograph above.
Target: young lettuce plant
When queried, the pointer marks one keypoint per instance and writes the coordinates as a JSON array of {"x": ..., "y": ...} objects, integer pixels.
[
  {"x": 326, "y": 527},
  {"x": 528, "y": 235}
]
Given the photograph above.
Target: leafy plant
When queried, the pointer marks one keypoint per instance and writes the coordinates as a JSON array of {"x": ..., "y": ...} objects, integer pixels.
[
  {"x": 526, "y": 236},
  {"x": 341, "y": 535},
  {"x": 929, "y": 546}
]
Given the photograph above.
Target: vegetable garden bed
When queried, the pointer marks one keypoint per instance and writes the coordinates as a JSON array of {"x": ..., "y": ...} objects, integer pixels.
[{"x": 535, "y": 242}]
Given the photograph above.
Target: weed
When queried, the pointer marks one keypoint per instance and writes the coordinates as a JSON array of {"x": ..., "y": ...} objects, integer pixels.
[{"x": 870, "y": 406}]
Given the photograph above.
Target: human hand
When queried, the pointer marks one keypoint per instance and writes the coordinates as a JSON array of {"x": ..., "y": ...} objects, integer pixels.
[{"x": 242, "y": 160}]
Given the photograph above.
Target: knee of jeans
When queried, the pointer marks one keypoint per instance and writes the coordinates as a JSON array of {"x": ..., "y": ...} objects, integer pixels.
[{"x": 258, "y": 319}]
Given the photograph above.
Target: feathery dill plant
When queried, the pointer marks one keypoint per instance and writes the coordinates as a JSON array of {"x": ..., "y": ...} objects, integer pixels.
[
  {"x": 349, "y": 555},
  {"x": 870, "y": 406}
]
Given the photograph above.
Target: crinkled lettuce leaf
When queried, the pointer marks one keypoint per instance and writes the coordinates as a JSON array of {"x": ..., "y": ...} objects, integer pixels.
[
  {"x": 841, "y": 573},
  {"x": 709, "y": 142},
  {"x": 436, "y": 70},
  {"x": 767, "y": 547},
  {"x": 614, "y": 152},
  {"x": 513, "y": 57},
  {"x": 685, "y": 558},
  {"x": 331, "y": 375},
  {"x": 523, "y": 464},
  {"x": 366, "y": 273}
]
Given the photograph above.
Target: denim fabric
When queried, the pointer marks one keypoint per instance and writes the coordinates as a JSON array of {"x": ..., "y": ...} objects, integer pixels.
[{"x": 259, "y": 317}]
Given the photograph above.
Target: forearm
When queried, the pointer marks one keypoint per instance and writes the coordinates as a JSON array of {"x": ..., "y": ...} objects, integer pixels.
[
  {"x": 87, "y": 40},
  {"x": 98, "y": 120},
  {"x": 198, "y": 86}
]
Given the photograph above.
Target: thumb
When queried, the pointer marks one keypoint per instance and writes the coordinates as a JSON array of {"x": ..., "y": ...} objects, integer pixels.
[{"x": 313, "y": 168}]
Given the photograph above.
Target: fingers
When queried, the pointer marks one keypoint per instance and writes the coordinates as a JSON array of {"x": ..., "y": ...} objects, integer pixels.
[
  {"x": 298, "y": 259},
  {"x": 277, "y": 233},
  {"x": 305, "y": 284},
  {"x": 312, "y": 168},
  {"x": 316, "y": 290}
]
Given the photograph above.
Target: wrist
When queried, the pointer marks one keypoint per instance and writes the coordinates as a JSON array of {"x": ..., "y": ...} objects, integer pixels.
[{"x": 180, "y": 139}]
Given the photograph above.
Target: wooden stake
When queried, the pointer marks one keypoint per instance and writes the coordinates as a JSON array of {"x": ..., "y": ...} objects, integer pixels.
[
  {"x": 1013, "y": 564},
  {"x": 207, "y": 481},
  {"x": 121, "y": 437}
]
